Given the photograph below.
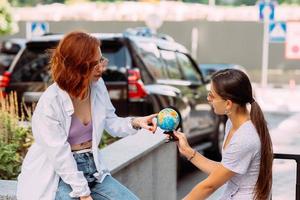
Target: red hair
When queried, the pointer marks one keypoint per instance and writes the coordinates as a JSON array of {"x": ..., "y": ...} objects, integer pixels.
[{"x": 71, "y": 62}]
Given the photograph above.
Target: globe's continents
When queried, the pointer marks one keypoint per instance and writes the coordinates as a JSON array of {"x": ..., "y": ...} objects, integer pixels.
[{"x": 168, "y": 119}]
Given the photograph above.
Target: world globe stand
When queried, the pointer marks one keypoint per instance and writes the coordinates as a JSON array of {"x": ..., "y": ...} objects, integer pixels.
[{"x": 172, "y": 137}]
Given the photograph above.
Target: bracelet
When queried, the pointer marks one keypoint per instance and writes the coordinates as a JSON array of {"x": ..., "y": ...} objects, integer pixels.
[{"x": 192, "y": 155}]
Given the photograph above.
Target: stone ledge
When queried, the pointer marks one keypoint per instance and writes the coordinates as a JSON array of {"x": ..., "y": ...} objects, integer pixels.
[
  {"x": 121, "y": 153},
  {"x": 8, "y": 190},
  {"x": 118, "y": 156}
]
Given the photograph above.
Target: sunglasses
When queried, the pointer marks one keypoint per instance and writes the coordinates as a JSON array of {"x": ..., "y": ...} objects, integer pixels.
[
  {"x": 100, "y": 62},
  {"x": 212, "y": 97}
]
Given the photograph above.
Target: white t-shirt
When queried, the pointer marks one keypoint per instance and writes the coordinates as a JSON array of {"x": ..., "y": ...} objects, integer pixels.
[{"x": 242, "y": 156}]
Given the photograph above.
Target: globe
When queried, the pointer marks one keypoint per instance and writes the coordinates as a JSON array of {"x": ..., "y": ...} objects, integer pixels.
[{"x": 168, "y": 119}]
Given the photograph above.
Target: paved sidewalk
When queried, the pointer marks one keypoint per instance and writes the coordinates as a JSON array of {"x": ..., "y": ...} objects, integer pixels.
[
  {"x": 286, "y": 139},
  {"x": 283, "y": 99}
]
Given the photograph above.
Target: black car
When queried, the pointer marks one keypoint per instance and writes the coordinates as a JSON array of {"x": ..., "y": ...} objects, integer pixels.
[
  {"x": 8, "y": 50},
  {"x": 145, "y": 74},
  {"x": 208, "y": 69}
]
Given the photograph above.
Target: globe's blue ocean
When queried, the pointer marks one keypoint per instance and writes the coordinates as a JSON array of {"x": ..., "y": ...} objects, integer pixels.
[{"x": 168, "y": 119}]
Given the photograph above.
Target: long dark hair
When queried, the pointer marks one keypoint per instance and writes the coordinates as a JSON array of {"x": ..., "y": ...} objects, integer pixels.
[{"x": 234, "y": 85}]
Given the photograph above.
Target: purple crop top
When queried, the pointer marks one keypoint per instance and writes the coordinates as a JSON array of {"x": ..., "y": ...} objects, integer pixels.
[{"x": 79, "y": 132}]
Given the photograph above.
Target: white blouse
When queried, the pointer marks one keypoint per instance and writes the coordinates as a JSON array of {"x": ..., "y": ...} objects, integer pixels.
[{"x": 50, "y": 156}]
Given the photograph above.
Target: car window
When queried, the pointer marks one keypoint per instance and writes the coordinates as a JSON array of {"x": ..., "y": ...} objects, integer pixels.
[
  {"x": 6, "y": 57},
  {"x": 188, "y": 68},
  {"x": 5, "y": 61},
  {"x": 116, "y": 53},
  {"x": 173, "y": 70},
  {"x": 32, "y": 66},
  {"x": 151, "y": 57},
  {"x": 33, "y": 63}
]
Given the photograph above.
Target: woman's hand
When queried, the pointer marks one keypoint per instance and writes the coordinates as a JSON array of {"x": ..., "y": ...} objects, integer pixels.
[
  {"x": 183, "y": 145},
  {"x": 86, "y": 198},
  {"x": 145, "y": 122}
]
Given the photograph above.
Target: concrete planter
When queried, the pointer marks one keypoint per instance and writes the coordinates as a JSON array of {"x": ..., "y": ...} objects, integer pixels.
[{"x": 143, "y": 162}]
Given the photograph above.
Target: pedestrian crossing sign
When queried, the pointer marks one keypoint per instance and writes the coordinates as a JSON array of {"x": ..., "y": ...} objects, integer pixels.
[
  {"x": 34, "y": 29},
  {"x": 277, "y": 31}
]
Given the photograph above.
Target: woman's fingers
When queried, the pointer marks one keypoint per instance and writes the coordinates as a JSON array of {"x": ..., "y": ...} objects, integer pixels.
[
  {"x": 150, "y": 120},
  {"x": 154, "y": 125},
  {"x": 149, "y": 123},
  {"x": 167, "y": 138},
  {"x": 179, "y": 134},
  {"x": 151, "y": 128},
  {"x": 153, "y": 115}
]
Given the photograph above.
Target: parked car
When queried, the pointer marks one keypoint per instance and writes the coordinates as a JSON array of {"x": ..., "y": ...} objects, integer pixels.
[
  {"x": 145, "y": 74},
  {"x": 8, "y": 50},
  {"x": 208, "y": 69}
]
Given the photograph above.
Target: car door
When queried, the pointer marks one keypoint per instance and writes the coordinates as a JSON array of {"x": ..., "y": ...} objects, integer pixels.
[
  {"x": 29, "y": 75},
  {"x": 202, "y": 116},
  {"x": 146, "y": 58},
  {"x": 175, "y": 78},
  {"x": 115, "y": 75},
  {"x": 183, "y": 74}
]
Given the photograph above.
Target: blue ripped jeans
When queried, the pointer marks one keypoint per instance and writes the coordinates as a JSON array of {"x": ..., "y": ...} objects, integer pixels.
[{"x": 109, "y": 189}]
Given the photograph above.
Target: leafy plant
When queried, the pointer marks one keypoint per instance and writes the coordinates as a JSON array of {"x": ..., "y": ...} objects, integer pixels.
[
  {"x": 15, "y": 137},
  {"x": 106, "y": 140}
]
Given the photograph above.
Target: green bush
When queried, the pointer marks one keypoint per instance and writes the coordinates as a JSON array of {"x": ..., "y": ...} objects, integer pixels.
[
  {"x": 106, "y": 140},
  {"x": 15, "y": 138}
]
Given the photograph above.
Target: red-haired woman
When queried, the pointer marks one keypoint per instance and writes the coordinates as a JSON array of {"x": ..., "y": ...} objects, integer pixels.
[
  {"x": 247, "y": 155},
  {"x": 64, "y": 162}
]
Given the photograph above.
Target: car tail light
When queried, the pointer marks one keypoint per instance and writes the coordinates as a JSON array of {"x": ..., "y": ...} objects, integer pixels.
[
  {"x": 136, "y": 88},
  {"x": 4, "y": 79}
]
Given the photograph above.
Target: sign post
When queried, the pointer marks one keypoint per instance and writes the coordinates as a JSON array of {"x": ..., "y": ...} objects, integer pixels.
[
  {"x": 266, "y": 13},
  {"x": 195, "y": 36}
]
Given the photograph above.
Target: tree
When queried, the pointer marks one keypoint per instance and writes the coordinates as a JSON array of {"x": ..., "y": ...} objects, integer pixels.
[{"x": 7, "y": 25}]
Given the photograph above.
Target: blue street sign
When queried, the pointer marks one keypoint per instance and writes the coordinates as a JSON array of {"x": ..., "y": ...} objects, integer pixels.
[
  {"x": 36, "y": 29},
  {"x": 266, "y": 5},
  {"x": 39, "y": 28},
  {"x": 277, "y": 31}
]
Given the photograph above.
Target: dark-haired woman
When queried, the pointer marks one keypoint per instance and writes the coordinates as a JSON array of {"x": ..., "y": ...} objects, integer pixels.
[
  {"x": 246, "y": 165},
  {"x": 64, "y": 162}
]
